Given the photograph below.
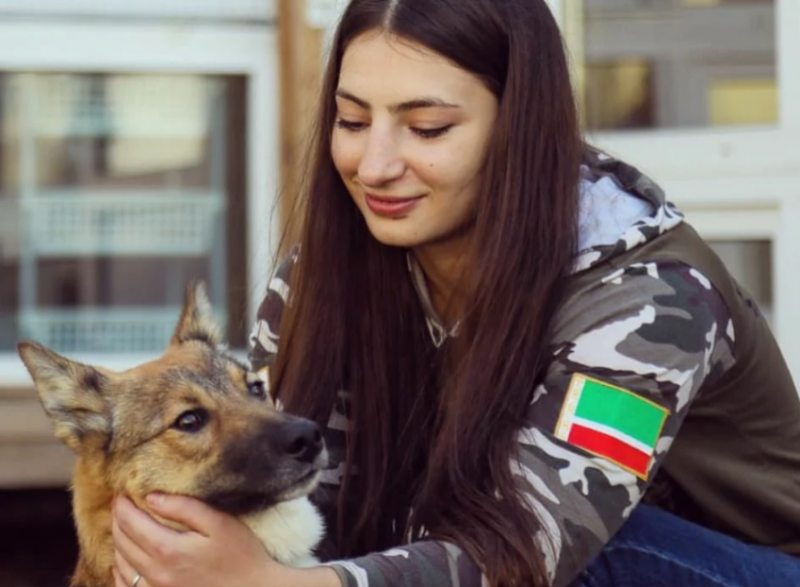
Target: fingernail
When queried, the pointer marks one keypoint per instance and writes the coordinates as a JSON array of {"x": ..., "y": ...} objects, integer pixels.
[{"x": 155, "y": 499}]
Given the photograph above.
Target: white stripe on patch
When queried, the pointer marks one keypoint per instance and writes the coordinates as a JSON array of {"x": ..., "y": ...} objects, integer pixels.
[{"x": 614, "y": 433}]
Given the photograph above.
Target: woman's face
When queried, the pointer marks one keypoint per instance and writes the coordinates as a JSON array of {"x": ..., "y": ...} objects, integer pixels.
[{"x": 410, "y": 139}]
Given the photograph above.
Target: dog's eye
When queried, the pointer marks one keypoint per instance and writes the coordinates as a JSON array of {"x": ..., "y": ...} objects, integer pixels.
[
  {"x": 191, "y": 421},
  {"x": 257, "y": 389}
]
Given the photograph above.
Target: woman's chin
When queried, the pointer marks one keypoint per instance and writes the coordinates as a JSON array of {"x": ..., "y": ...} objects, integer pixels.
[{"x": 392, "y": 233}]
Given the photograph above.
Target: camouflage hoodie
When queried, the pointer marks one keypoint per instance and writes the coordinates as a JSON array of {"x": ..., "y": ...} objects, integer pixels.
[{"x": 634, "y": 343}]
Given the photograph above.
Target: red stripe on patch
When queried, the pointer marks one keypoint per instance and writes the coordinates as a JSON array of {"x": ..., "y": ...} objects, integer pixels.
[{"x": 610, "y": 448}]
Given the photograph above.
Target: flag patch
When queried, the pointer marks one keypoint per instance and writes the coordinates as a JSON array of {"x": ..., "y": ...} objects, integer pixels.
[{"x": 611, "y": 422}]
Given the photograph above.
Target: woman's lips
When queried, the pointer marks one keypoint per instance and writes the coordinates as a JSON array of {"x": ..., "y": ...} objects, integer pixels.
[{"x": 392, "y": 207}]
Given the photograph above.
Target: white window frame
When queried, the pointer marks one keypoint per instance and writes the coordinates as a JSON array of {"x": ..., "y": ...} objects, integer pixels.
[
  {"x": 248, "y": 49},
  {"x": 250, "y": 10},
  {"x": 734, "y": 183}
]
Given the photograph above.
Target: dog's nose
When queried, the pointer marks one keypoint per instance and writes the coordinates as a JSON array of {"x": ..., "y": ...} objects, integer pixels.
[{"x": 302, "y": 440}]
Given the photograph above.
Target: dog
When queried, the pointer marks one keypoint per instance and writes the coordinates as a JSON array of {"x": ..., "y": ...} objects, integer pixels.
[{"x": 197, "y": 422}]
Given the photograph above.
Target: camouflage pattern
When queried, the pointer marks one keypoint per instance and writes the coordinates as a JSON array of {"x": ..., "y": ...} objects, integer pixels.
[{"x": 657, "y": 329}]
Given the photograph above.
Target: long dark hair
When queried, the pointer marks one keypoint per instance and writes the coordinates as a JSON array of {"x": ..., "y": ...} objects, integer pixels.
[{"x": 433, "y": 432}]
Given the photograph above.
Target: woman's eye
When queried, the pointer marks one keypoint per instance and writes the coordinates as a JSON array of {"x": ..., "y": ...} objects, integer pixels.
[
  {"x": 431, "y": 133},
  {"x": 350, "y": 125},
  {"x": 191, "y": 421},
  {"x": 257, "y": 389}
]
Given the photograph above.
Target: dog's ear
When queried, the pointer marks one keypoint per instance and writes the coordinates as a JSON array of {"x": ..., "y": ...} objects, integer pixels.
[
  {"x": 197, "y": 318},
  {"x": 73, "y": 395}
]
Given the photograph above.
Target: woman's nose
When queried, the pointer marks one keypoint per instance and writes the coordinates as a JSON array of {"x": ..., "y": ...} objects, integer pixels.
[{"x": 381, "y": 161}]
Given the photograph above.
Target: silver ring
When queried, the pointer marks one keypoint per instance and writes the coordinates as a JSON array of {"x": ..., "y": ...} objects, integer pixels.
[{"x": 136, "y": 580}]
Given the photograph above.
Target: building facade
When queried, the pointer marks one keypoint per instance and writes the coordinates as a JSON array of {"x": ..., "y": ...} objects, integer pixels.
[
  {"x": 140, "y": 146},
  {"x": 138, "y": 149}
]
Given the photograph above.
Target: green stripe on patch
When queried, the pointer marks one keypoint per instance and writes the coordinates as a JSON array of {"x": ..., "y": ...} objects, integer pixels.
[
  {"x": 621, "y": 410},
  {"x": 612, "y": 410}
]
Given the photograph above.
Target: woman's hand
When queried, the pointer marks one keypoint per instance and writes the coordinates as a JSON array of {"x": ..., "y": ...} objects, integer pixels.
[{"x": 217, "y": 551}]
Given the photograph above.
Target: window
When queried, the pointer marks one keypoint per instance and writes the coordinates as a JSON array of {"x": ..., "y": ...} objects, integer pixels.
[
  {"x": 704, "y": 96},
  {"x": 116, "y": 190},
  {"x": 742, "y": 102},
  {"x": 675, "y": 63}
]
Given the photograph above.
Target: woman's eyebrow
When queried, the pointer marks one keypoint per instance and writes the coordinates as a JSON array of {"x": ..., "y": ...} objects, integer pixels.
[{"x": 415, "y": 104}]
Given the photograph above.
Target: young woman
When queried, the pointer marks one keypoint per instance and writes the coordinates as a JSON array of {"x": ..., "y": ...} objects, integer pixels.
[{"x": 514, "y": 341}]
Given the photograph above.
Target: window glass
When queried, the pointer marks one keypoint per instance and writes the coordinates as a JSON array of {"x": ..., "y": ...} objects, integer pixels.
[
  {"x": 115, "y": 191},
  {"x": 674, "y": 63}
]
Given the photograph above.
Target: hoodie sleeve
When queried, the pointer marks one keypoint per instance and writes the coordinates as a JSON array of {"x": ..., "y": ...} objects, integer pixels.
[
  {"x": 629, "y": 355},
  {"x": 264, "y": 335},
  {"x": 263, "y": 351}
]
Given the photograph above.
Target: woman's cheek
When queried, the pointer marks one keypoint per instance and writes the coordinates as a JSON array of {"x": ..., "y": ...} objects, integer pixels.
[{"x": 344, "y": 153}]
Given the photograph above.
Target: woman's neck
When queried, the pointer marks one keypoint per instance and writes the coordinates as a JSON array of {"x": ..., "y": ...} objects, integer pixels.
[{"x": 443, "y": 266}]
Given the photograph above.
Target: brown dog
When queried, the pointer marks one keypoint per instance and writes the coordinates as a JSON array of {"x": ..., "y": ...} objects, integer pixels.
[{"x": 196, "y": 422}]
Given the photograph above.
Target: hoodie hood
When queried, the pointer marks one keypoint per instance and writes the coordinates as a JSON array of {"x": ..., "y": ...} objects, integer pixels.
[{"x": 620, "y": 208}]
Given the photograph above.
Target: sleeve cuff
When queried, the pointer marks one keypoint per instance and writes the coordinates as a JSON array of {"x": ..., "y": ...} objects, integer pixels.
[{"x": 349, "y": 574}]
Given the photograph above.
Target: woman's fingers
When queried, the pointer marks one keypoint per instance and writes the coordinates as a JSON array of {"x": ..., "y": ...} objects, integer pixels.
[
  {"x": 217, "y": 549},
  {"x": 137, "y": 535},
  {"x": 188, "y": 511},
  {"x": 119, "y": 580},
  {"x": 126, "y": 577},
  {"x": 128, "y": 559}
]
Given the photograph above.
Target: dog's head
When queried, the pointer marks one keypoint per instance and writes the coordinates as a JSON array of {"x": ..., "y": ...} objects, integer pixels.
[{"x": 195, "y": 421}]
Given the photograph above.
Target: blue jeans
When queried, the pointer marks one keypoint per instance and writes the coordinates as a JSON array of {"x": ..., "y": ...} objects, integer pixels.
[{"x": 657, "y": 549}]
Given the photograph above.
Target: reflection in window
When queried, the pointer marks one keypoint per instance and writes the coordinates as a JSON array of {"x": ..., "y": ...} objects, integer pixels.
[
  {"x": 671, "y": 63},
  {"x": 621, "y": 95},
  {"x": 743, "y": 102},
  {"x": 115, "y": 190}
]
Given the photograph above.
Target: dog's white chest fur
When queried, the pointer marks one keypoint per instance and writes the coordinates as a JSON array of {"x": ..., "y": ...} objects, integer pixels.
[{"x": 289, "y": 531}]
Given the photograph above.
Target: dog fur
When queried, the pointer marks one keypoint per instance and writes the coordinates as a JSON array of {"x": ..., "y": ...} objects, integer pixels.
[{"x": 195, "y": 422}]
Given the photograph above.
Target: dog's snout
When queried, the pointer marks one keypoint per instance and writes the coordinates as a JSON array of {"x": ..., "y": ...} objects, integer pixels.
[{"x": 302, "y": 440}]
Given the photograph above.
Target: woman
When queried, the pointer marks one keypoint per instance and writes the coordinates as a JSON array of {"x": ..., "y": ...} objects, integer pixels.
[{"x": 530, "y": 338}]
